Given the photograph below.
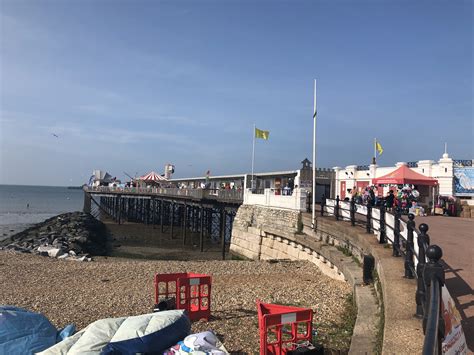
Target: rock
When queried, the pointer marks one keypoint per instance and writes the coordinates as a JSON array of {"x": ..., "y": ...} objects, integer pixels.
[
  {"x": 64, "y": 256},
  {"x": 54, "y": 253},
  {"x": 72, "y": 253}
]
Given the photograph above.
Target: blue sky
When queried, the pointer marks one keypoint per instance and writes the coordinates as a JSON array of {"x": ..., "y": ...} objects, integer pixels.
[{"x": 132, "y": 85}]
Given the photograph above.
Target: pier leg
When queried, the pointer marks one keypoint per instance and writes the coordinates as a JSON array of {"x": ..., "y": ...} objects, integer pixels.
[
  {"x": 223, "y": 220},
  {"x": 172, "y": 219},
  {"x": 185, "y": 221},
  {"x": 201, "y": 231},
  {"x": 162, "y": 207}
]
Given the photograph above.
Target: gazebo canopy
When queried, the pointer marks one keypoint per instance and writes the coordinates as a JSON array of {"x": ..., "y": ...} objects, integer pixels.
[
  {"x": 152, "y": 177},
  {"x": 404, "y": 175}
]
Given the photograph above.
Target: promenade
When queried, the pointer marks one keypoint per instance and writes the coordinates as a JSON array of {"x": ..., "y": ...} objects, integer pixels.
[{"x": 456, "y": 237}]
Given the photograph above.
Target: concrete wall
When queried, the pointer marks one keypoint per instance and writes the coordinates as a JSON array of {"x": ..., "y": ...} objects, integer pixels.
[{"x": 260, "y": 233}]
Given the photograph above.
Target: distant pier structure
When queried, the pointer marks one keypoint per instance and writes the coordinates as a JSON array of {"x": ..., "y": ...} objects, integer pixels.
[{"x": 205, "y": 206}]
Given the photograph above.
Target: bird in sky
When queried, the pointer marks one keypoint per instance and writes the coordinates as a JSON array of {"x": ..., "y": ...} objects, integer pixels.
[{"x": 55, "y": 135}]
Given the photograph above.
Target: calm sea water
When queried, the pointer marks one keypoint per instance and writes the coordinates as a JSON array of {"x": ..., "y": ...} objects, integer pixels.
[{"x": 21, "y": 206}]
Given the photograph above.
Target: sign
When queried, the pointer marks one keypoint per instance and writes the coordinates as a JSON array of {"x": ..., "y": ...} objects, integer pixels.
[
  {"x": 454, "y": 342},
  {"x": 464, "y": 181}
]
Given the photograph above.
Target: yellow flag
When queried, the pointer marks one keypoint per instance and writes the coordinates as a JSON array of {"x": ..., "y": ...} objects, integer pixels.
[
  {"x": 379, "y": 148},
  {"x": 261, "y": 134}
]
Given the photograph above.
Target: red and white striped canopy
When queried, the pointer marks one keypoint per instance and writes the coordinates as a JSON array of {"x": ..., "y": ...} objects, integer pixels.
[{"x": 152, "y": 176}]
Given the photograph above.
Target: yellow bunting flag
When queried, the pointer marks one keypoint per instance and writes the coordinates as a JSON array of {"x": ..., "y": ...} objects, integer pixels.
[
  {"x": 379, "y": 148},
  {"x": 261, "y": 134}
]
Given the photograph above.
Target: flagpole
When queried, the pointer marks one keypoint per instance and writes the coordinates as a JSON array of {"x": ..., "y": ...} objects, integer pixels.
[
  {"x": 313, "y": 219},
  {"x": 375, "y": 151},
  {"x": 253, "y": 153}
]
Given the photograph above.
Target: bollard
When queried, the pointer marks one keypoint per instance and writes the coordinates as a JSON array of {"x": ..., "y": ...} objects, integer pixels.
[
  {"x": 368, "y": 268},
  {"x": 369, "y": 219},
  {"x": 323, "y": 204},
  {"x": 352, "y": 211},
  {"x": 433, "y": 270},
  {"x": 409, "y": 264},
  {"x": 423, "y": 241},
  {"x": 336, "y": 208},
  {"x": 396, "y": 234},
  {"x": 382, "y": 238}
]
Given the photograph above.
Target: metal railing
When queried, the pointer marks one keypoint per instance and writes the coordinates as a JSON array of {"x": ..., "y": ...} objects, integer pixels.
[
  {"x": 199, "y": 194},
  {"x": 421, "y": 260}
]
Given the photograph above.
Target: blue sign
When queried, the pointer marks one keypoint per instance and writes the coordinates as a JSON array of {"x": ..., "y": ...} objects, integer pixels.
[{"x": 464, "y": 181}]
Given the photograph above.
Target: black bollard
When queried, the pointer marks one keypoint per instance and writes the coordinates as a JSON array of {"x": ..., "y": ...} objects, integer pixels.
[
  {"x": 420, "y": 289},
  {"x": 396, "y": 234},
  {"x": 382, "y": 237},
  {"x": 409, "y": 264},
  {"x": 368, "y": 223},
  {"x": 352, "y": 211},
  {"x": 323, "y": 204},
  {"x": 368, "y": 268}
]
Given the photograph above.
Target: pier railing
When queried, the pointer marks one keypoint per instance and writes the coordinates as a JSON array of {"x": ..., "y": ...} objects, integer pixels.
[
  {"x": 198, "y": 194},
  {"x": 421, "y": 260}
]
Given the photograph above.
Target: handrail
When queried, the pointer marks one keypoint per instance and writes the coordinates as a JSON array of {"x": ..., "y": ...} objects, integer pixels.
[
  {"x": 213, "y": 194},
  {"x": 428, "y": 270}
]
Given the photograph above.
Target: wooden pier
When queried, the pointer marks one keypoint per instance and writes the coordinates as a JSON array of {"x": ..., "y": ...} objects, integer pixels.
[{"x": 210, "y": 213}]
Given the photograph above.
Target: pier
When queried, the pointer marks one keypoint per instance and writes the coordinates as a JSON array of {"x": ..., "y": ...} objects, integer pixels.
[{"x": 210, "y": 213}]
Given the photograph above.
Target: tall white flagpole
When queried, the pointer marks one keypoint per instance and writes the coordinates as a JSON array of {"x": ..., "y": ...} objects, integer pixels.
[
  {"x": 253, "y": 153},
  {"x": 313, "y": 220}
]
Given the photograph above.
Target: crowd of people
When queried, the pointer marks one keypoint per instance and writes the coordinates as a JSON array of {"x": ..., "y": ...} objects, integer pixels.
[{"x": 405, "y": 199}]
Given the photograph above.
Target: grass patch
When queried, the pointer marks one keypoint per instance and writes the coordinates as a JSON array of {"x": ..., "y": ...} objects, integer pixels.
[
  {"x": 337, "y": 335},
  {"x": 344, "y": 250}
]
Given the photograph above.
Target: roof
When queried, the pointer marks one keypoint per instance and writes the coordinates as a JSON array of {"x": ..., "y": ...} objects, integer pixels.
[
  {"x": 152, "y": 176},
  {"x": 237, "y": 176},
  {"x": 405, "y": 175}
]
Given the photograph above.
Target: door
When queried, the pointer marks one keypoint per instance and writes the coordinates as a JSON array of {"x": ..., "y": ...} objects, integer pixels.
[
  {"x": 361, "y": 185},
  {"x": 342, "y": 195}
]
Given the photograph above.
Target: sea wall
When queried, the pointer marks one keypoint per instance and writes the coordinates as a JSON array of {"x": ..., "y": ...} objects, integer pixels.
[{"x": 262, "y": 233}]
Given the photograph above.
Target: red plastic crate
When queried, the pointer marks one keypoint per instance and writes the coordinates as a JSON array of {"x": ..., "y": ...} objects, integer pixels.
[
  {"x": 283, "y": 327},
  {"x": 191, "y": 291}
]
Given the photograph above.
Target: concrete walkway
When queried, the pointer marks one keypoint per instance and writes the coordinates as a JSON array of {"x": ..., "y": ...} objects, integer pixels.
[{"x": 456, "y": 237}]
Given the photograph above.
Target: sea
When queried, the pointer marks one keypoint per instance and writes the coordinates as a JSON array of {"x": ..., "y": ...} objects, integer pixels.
[{"x": 23, "y": 206}]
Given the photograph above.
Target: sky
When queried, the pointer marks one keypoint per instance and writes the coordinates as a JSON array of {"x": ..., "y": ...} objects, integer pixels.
[{"x": 130, "y": 85}]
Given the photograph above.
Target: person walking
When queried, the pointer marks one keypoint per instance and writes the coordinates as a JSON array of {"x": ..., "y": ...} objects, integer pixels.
[{"x": 389, "y": 200}]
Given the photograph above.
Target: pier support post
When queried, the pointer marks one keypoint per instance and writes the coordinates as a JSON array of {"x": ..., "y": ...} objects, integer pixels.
[
  {"x": 185, "y": 221},
  {"x": 222, "y": 225},
  {"x": 172, "y": 218},
  {"x": 201, "y": 231}
]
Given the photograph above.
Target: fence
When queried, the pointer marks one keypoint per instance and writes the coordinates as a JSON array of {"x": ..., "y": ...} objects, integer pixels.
[
  {"x": 211, "y": 194},
  {"x": 421, "y": 259}
]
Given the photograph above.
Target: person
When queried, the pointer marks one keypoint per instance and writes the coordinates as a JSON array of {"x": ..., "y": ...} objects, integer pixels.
[
  {"x": 416, "y": 209},
  {"x": 372, "y": 197},
  {"x": 389, "y": 200}
]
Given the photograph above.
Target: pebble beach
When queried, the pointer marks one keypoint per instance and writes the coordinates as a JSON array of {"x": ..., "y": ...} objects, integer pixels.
[{"x": 80, "y": 293}]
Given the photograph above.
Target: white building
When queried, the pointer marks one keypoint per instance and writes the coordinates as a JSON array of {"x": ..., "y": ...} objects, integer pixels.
[{"x": 444, "y": 170}]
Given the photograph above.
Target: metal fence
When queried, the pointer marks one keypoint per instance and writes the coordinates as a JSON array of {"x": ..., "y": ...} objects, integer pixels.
[{"x": 422, "y": 260}]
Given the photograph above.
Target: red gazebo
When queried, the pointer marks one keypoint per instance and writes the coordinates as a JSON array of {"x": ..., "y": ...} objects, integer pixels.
[{"x": 404, "y": 175}]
